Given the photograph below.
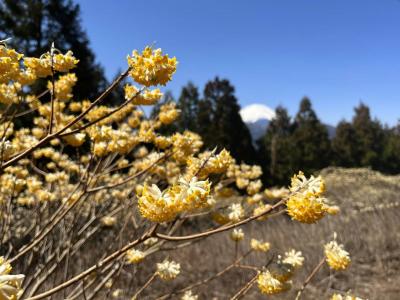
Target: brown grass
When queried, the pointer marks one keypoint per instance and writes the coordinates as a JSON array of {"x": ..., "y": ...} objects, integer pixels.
[{"x": 367, "y": 225}]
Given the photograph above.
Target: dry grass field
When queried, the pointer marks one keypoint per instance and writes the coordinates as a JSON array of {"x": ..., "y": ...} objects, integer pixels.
[{"x": 368, "y": 226}]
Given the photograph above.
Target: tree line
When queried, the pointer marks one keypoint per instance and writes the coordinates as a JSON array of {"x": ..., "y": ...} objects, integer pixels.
[{"x": 290, "y": 143}]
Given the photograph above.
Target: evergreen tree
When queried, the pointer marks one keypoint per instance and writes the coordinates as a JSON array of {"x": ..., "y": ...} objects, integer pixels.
[
  {"x": 277, "y": 149},
  {"x": 204, "y": 120},
  {"x": 117, "y": 95},
  {"x": 224, "y": 127},
  {"x": 188, "y": 103},
  {"x": 391, "y": 152},
  {"x": 312, "y": 149},
  {"x": 369, "y": 138},
  {"x": 33, "y": 25},
  {"x": 344, "y": 145}
]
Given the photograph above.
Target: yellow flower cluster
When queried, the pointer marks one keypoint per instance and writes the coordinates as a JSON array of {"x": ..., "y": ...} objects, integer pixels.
[
  {"x": 257, "y": 245},
  {"x": 7, "y": 149},
  {"x": 151, "y": 67},
  {"x": 185, "y": 145},
  {"x": 9, "y": 93},
  {"x": 244, "y": 174},
  {"x": 293, "y": 258},
  {"x": 168, "y": 270},
  {"x": 346, "y": 297},
  {"x": 336, "y": 257},
  {"x": 163, "y": 206},
  {"x": 276, "y": 278},
  {"x": 306, "y": 203},
  {"x": 108, "y": 140},
  {"x": 269, "y": 285},
  {"x": 188, "y": 295},
  {"x": 10, "y": 68},
  {"x": 147, "y": 97},
  {"x": 168, "y": 113},
  {"x": 275, "y": 193},
  {"x": 262, "y": 208},
  {"x": 207, "y": 163},
  {"x": 9, "y": 64},
  {"x": 63, "y": 86},
  {"x": 237, "y": 235},
  {"x": 41, "y": 67},
  {"x": 64, "y": 62},
  {"x": 134, "y": 256},
  {"x": 108, "y": 221},
  {"x": 10, "y": 285},
  {"x": 235, "y": 212}
]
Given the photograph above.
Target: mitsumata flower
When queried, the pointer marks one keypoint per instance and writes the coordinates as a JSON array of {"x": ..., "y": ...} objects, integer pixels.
[
  {"x": 346, "y": 297},
  {"x": 10, "y": 285},
  {"x": 134, "y": 256},
  {"x": 293, "y": 258},
  {"x": 306, "y": 203},
  {"x": 168, "y": 270},
  {"x": 151, "y": 67},
  {"x": 336, "y": 257},
  {"x": 237, "y": 234},
  {"x": 269, "y": 285},
  {"x": 259, "y": 246},
  {"x": 160, "y": 206}
]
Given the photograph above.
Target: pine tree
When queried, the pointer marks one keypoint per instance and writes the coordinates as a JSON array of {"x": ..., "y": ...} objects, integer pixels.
[
  {"x": 33, "y": 25},
  {"x": 188, "y": 103},
  {"x": 391, "y": 152},
  {"x": 344, "y": 145},
  {"x": 276, "y": 149},
  {"x": 205, "y": 126},
  {"x": 221, "y": 122},
  {"x": 369, "y": 138},
  {"x": 312, "y": 149}
]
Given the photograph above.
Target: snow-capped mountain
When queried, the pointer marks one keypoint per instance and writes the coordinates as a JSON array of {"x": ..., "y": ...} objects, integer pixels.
[{"x": 257, "y": 118}]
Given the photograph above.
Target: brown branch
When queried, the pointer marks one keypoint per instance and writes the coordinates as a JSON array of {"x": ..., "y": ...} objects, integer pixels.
[
  {"x": 219, "y": 229},
  {"x": 95, "y": 267},
  {"x": 148, "y": 282},
  {"x": 310, "y": 277},
  {"x": 49, "y": 137},
  {"x": 83, "y": 127},
  {"x": 245, "y": 288}
]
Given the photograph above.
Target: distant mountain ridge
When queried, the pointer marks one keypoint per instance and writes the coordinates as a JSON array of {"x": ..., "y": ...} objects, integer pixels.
[{"x": 257, "y": 118}]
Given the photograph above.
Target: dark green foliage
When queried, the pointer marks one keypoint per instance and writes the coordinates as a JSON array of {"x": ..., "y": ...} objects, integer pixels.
[
  {"x": 216, "y": 118},
  {"x": 275, "y": 149},
  {"x": 391, "y": 152},
  {"x": 344, "y": 145},
  {"x": 33, "y": 25},
  {"x": 188, "y": 103},
  {"x": 369, "y": 138},
  {"x": 310, "y": 141},
  {"x": 223, "y": 126}
]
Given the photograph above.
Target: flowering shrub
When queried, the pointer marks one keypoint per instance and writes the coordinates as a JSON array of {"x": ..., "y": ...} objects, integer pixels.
[{"x": 78, "y": 167}]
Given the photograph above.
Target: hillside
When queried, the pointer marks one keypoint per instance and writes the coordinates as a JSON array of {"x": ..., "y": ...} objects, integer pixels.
[{"x": 367, "y": 225}]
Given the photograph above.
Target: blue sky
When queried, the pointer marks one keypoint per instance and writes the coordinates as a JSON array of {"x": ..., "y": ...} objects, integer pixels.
[{"x": 337, "y": 52}]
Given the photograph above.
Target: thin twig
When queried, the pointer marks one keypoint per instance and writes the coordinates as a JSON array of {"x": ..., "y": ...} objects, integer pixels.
[{"x": 310, "y": 277}]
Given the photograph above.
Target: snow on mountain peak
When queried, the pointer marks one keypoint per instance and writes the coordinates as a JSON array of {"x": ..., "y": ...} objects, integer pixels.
[{"x": 255, "y": 112}]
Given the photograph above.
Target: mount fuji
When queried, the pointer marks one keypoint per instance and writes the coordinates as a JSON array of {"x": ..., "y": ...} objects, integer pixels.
[{"x": 257, "y": 117}]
